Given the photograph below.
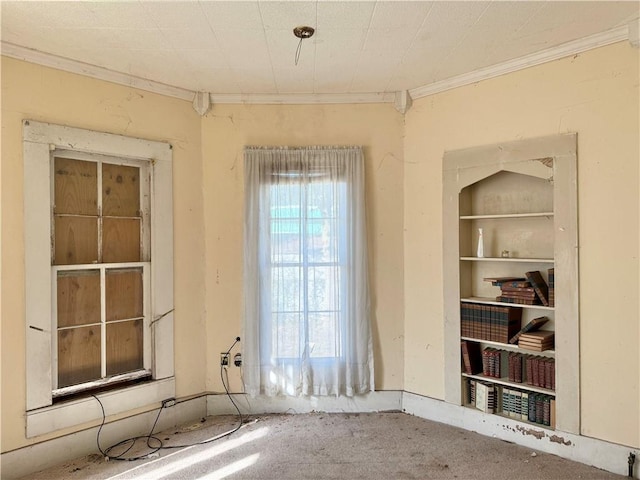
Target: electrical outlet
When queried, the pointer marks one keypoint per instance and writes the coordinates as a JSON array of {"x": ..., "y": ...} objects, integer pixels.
[
  {"x": 224, "y": 359},
  {"x": 237, "y": 359}
]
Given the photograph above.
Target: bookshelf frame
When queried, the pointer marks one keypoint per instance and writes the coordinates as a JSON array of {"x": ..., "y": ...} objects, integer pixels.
[{"x": 553, "y": 159}]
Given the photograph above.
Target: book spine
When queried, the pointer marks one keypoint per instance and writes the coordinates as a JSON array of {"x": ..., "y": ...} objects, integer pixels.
[
  {"x": 528, "y": 370},
  {"x": 517, "y": 403},
  {"x": 539, "y": 409},
  {"x": 532, "y": 407},
  {"x": 546, "y": 411},
  {"x": 466, "y": 362},
  {"x": 485, "y": 363},
  {"x": 535, "y": 371},
  {"x": 541, "y": 372},
  {"x": 548, "y": 366},
  {"x": 524, "y": 406},
  {"x": 517, "y": 370}
]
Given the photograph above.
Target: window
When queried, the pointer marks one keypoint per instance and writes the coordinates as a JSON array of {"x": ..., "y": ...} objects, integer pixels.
[
  {"x": 101, "y": 263},
  {"x": 99, "y": 272},
  {"x": 307, "y": 269},
  {"x": 307, "y": 328}
]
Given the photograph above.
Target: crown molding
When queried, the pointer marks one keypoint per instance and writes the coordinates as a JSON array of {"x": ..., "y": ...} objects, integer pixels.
[
  {"x": 303, "y": 98},
  {"x": 88, "y": 70},
  {"x": 73, "y": 66},
  {"x": 566, "y": 49}
]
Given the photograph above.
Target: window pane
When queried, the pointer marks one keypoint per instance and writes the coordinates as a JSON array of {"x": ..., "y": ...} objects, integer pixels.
[
  {"x": 324, "y": 334},
  {"x": 286, "y": 289},
  {"x": 324, "y": 288},
  {"x": 286, "y": 331},
  {"x": 78, "y": 298},
  {"x": 75, "y": 187},
  {"x": 123, "y": 294},
  {"x": 78, "y": 355},
  {"x": 286, "y": 249},
  {"x": 120, "y": 190},
  {"x": 286, "y": 225},
  {"x": 120, "y": 240},
  {"x": 76, "y": 240},
  {"x": 124, "y": 347}
]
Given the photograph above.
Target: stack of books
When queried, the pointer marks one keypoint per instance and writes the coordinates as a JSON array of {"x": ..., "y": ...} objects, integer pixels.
[
  {"x": 532, "y": 326},
  {"x": 529, "y": 290},
  {"x": 537, "y": 341},
  {"x": 489, "y": 322}
]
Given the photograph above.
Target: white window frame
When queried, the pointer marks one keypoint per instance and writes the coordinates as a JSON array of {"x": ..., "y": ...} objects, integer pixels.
[{"x": 39, "y": 141}]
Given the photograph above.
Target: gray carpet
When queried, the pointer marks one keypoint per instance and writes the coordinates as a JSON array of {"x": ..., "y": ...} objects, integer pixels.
[{"x": 328, "y": 446}]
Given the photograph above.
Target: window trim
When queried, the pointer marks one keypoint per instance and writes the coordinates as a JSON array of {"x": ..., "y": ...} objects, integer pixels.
[{"x": 39, "y": 141}]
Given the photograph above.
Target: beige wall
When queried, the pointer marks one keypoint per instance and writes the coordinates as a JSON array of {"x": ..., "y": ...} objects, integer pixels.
[
  {"x": 596, "y": 95},
  {"x": 47, "y": 95},
  {"x": 378, "y": 128}
]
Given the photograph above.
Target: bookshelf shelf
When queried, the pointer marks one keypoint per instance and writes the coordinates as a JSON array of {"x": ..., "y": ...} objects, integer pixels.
[
  {"x": 507, "y": 215},
  {"x": 510, "y": 347},
  {"x": 521, "y": 199},
  {"x": 490, "y": 301},
  {"x": 507, "y": 260},
  {"x": 504, "y": 381}
]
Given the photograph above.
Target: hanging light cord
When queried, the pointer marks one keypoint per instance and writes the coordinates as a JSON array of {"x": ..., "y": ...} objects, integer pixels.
[{"x": 298, "y": 50}]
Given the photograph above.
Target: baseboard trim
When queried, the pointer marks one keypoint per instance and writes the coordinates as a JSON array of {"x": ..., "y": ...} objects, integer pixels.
[
  {"x": 590, "y": 451},
  {"x": 33, "y": 458},
  {"x": 378, "y": 401}
]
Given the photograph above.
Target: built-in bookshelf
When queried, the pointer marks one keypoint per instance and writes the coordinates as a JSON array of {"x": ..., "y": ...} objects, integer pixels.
[{"x": 522, "y": 197}]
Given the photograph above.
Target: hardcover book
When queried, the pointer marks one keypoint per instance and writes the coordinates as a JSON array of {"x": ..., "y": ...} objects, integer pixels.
[
  {"x": 485, "y": 397},
  {"x": 471, "y": 357},
  {"x": 532, "y": 326},
  {"x": 539, "y": 285}
]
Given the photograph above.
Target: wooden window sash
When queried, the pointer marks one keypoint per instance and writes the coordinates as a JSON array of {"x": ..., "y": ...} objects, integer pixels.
[{"x": 145, "y": 171}]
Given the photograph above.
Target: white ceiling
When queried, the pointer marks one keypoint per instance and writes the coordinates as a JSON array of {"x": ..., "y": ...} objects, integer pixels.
[{"x": 247, "y": 47}]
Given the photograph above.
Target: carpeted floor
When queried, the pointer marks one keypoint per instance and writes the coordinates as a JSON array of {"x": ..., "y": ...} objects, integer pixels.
[{"x": 327, "y": 446}]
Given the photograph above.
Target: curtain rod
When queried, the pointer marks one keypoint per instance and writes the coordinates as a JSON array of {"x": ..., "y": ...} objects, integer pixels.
[{"x": 312, "y": 147}]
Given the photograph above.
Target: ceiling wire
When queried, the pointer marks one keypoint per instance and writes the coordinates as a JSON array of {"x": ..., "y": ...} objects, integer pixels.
[{"x": 298, "y": 50}]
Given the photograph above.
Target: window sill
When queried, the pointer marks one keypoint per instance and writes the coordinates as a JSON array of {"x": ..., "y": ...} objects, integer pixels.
[{"x": 76, "y": 412}]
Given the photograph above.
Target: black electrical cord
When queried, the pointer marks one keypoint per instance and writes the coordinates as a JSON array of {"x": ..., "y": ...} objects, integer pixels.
[
  {"x": 106, "y": 453},
  {"x": 226, "y": 389}
]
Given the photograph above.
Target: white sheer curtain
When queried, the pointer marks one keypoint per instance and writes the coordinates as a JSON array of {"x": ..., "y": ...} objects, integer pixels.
[{"x": 306, "y": 311}]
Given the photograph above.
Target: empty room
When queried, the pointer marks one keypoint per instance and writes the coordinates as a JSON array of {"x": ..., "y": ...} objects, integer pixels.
[{"x": 320, "y": 239}]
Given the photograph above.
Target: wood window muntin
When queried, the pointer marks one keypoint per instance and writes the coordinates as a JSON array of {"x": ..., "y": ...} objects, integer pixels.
[{"x": 135, "y": 259}]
